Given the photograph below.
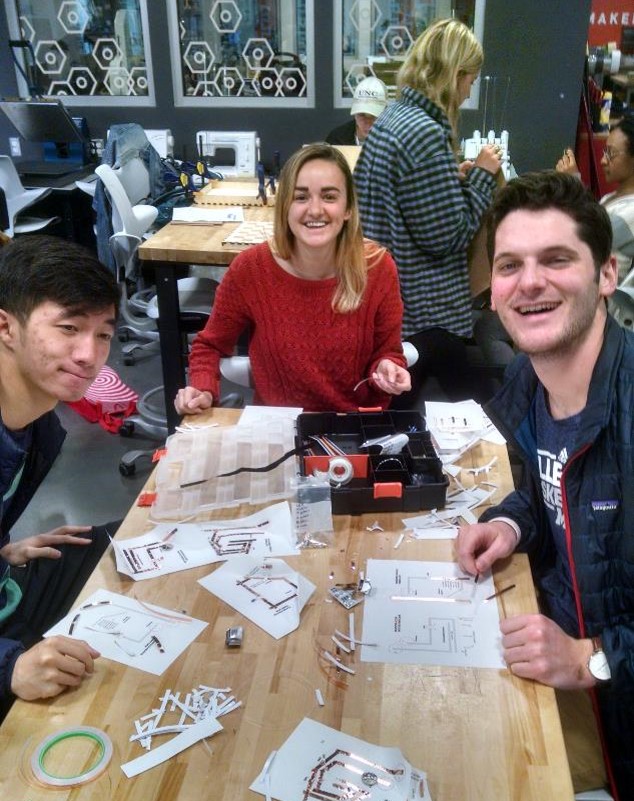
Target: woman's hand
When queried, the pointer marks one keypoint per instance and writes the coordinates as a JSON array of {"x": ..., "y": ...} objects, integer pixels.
[
  {"x": 490, "y": 158},
  {"x": 464, "y": 168},
  {"x": 391, "y": 377},
  {"x": 192, "y": 401}
]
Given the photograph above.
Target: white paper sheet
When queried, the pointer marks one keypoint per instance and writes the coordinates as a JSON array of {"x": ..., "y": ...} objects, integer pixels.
[
  {"x": 319, "y": 762},
  {"x": 193, "y": 734},
  {"x": 196, "y": 213},
  {"x": 429, "y": 613},
  {"x": 169, "y": 547},
  {"x": 267, "y": 592},
  {"x": 125, "y": 630},
  {"x": 254, "y": 414}
]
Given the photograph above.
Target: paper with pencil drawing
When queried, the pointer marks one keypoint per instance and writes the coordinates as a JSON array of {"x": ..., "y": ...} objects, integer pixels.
[
  {"x": 170, "y": 547},
  {"x": 267, "y": 592},
  {"x": 430, "y": 613},
  {"x": 132, "y": 632}
]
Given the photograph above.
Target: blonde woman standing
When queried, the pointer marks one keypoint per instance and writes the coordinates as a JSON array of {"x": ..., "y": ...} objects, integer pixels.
[
  {"x": 321, "y": 305},
  {"x": 425, "y": 207}
]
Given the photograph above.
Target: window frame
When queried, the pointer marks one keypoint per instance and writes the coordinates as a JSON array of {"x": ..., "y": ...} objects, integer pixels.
[
  {"x": 148, "y": 100},
  {"x": 182, "y": 100},
  {"x": 341, "y": 101}
]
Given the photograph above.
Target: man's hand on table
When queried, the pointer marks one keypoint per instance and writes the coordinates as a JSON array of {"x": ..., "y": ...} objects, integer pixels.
[
  {"x": 535, "y": 647},
  {"x": 51, "y": 666},
  {"x": 192, "y": 401},
  {"x": 44, "y": 546}
]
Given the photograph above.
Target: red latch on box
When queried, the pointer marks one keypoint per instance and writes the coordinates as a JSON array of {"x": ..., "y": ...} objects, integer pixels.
[
  {"x": 388, "y": 489},
  {"x": 146, "y": 499}
]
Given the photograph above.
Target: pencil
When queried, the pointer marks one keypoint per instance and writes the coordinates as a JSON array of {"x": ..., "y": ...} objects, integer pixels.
[{"x": 500, "y": 592}]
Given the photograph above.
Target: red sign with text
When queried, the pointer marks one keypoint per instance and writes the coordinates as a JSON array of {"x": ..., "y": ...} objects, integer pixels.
[{"x": 606, "y": 20}]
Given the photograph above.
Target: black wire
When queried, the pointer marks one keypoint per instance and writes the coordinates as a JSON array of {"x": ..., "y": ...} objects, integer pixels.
[{"x": 264, "y": 469}]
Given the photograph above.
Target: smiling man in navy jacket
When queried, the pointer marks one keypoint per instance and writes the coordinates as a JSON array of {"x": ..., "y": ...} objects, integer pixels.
[
  {"x": 567, "y": 407},
  {"x": 58, "y": 307}
]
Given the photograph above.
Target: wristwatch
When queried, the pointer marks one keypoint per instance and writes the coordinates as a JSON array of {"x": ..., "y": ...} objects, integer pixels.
[{"x": 598, "y": 664}]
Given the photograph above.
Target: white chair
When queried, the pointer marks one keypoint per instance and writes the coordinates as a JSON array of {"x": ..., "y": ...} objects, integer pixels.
[
  {"x": 127, "y": 186},
  {"x": 18, "y": 199},
  {"x": 410, "y": 353},
  {"x": 237, "y": 369}
]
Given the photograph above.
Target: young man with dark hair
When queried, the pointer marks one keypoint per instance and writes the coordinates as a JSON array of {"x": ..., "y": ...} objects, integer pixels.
[
  {"x": 58, "y": 307},
  {"x": 567, "y": 407}
]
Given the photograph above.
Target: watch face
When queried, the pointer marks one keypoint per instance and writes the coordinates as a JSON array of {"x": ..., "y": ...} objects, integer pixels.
[{"x": 598, "y": 666}]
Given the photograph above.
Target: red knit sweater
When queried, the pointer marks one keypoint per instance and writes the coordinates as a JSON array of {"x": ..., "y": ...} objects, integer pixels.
[{"x": 302, "y": 352}]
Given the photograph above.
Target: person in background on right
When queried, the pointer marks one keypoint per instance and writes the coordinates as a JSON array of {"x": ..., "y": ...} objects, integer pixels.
[
  {"x": 618, "y": 167},
  {"x": 418, "y": 201}
]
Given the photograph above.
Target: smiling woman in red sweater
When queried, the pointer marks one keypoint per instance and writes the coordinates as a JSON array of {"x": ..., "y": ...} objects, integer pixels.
[{"x": 321, "y": 304}]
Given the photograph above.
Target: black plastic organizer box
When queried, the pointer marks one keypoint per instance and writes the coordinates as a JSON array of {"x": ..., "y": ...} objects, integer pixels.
[{"x": 407, "y": 481}]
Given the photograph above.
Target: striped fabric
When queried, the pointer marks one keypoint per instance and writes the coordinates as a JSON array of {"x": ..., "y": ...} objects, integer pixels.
[{"x": 413, "y": 202}]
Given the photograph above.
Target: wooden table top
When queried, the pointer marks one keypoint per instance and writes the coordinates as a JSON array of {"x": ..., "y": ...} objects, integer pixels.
[
  {"x": 200, "y": 244},
  {"x": 479, "y": 734}
]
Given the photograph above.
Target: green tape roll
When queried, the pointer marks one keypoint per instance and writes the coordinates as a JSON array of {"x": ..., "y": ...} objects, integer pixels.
[{"x": 98, "y": 736}]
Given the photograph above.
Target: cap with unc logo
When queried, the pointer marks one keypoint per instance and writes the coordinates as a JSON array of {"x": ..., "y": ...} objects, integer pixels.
[{"x": 370, "y": 97}]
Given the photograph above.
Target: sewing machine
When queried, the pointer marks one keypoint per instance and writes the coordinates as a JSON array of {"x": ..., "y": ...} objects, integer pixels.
[{"x": 232, "y": 153}]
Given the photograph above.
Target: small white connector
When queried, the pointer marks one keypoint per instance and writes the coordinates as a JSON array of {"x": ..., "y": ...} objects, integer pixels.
[{"x": 14, "y": 146}]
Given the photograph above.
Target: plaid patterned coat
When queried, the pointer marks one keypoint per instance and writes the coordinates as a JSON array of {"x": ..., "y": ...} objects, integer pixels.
[{"x": 413, "y": 202}]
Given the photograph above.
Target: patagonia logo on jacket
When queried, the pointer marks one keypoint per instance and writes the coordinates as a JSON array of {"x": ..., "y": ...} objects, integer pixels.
[{"x": 605, "y": 506}]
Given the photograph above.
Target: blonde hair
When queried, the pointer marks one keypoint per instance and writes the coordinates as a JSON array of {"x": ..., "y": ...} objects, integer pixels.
[
  {"x": 437, "y": 59},
  {"x": 353, "y": 256}
]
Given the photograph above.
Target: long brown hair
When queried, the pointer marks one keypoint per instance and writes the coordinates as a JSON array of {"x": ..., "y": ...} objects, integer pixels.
[{"x": 353, "y": 256}]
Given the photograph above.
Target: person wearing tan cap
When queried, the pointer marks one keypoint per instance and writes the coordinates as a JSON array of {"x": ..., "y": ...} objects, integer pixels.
[{"x": 370, "y": 98}]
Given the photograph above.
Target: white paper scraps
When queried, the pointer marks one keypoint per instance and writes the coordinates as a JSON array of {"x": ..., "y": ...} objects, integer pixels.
[
  {"x": 317, "y": 761},
  {"x": 267, "y": 592},
  {"x": 484, "y": 468},
  {"x": 177, "y": 711},
  {"x": 255, "y": 414},
  {"x": 137, "y": 634},
  {"x": 430, "y": 613},
  {"x": 169, "y": 547},
  {"x": 196, "y": 213},
  {"x": 194, "y": 713},
  {"x": 185, "y": 739},
  {"x": 456, "y": 427},
  {"x": 443, "y": 523}
]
